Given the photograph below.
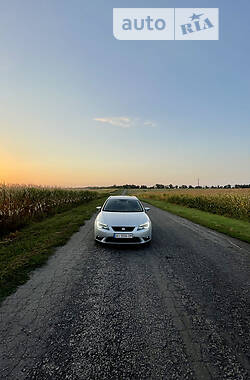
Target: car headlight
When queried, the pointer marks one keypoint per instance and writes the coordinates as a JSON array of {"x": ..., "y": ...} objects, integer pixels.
[
  {"x": 102, "y": 226},
  {"x": 143, "y": 226}
]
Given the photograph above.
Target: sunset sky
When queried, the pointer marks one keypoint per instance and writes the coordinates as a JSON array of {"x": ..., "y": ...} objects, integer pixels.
[{"x": 78, "y": 107}]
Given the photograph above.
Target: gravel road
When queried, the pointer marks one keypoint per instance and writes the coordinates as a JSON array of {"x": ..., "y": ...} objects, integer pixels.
[{"x": 177, "y": 309}]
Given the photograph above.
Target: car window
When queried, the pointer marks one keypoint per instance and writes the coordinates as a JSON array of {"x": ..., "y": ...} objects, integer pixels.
[{"x": 123, "y": 205}]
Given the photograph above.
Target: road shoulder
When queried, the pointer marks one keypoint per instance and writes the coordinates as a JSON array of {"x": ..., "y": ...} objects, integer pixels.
[{"x": 234, "y": 228}]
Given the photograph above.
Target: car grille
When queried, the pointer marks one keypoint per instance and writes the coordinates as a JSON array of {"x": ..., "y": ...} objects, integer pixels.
[
  {"x": 122, "y": 240},
  {"x": 123, "y": 229}
]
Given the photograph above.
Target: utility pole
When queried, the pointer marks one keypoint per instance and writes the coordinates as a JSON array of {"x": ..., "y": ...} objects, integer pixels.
[{"x": 198, "y": 181}]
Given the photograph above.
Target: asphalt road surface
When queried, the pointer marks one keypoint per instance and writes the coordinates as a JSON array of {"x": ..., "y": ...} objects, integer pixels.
[{"x": 177, "y": 309}]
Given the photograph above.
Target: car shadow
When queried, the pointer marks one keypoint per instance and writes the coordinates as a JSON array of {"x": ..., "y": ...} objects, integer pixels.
[{"x": 120, "y": 248}]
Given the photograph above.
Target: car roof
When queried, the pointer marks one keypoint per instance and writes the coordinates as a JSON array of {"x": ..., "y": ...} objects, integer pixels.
[{"x": 123, "y": 197}]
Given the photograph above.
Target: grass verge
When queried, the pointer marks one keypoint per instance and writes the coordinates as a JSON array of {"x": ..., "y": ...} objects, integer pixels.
[
  {"x": 233, "y": 227},
  {"x": 30, "y": 247}
]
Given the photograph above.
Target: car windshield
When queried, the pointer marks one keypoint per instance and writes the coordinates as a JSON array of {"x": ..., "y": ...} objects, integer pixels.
[{"x": 123, "y": 205}]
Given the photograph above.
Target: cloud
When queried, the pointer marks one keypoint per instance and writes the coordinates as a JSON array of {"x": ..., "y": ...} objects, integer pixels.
[
  {"x": 149, "y": 123},
  {"x": 125, "y": 122}
]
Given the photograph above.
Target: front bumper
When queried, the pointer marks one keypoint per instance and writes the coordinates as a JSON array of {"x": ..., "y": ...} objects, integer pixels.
[{"x": 107, "y": 237}]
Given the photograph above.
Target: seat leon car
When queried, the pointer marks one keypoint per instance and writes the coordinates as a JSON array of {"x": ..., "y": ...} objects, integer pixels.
[{"x": 123, "y": 220}]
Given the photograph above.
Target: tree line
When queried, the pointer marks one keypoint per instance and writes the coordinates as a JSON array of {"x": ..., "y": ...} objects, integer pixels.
[{"x": 171, "y": 186}]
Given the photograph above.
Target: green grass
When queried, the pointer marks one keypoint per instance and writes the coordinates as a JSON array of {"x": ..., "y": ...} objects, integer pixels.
[
  {"x": 233, "y": 227},
  {"x": 30, "y": 247}
]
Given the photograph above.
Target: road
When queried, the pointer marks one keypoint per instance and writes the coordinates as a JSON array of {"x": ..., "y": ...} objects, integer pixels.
[{"x": 177, "y": 309}]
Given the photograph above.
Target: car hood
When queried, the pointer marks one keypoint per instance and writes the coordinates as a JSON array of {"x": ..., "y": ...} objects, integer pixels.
[{"x": 123, "y": 218}]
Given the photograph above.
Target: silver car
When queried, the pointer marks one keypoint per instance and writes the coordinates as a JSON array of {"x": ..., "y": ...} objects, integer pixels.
[{"x": 123, "y": 220}]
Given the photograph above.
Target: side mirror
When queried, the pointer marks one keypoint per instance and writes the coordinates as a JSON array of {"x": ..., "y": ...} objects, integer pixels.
[
  {"x": 147, "y": 209},
  {"x": 98, "y": 208}
]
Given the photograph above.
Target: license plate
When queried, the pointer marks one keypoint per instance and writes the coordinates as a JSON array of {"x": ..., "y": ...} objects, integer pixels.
[{"x": 123, "y": 236}]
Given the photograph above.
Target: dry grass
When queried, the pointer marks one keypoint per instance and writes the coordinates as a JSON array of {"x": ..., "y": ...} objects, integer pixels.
[
  {"x": 21, "y": 204},
  {"x": 32, "y": 245},
  {"x": 234, "y": 203}
]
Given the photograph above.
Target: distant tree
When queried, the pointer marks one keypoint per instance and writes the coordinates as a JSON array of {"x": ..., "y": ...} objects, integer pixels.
[
  {"x": 190, "y": 187},
  {"x": 242, "y": 186},
  {"x": 131, "y": 186},
  {"x": 170, "y": 186},
  {"x": 159, "y": 186},
  {"x": 143, "y": 187},
  {"x": 184, "y": 187},
  {"x": 227, "y": 187}
]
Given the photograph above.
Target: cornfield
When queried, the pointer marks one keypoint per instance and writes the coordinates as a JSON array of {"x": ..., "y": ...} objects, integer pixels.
[
  {"x": 234, "y": 203},
  {"x": 20, "y": 205}
]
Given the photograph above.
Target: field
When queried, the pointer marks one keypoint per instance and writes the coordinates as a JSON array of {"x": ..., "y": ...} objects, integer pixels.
[
  {"x": 233, "y": 203},
  {"x": 105, "y": 190},
  {"x": 35, "y": 220},
  {"x": 19, "y": 205},
  {"x": 32, "y": 245}
]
